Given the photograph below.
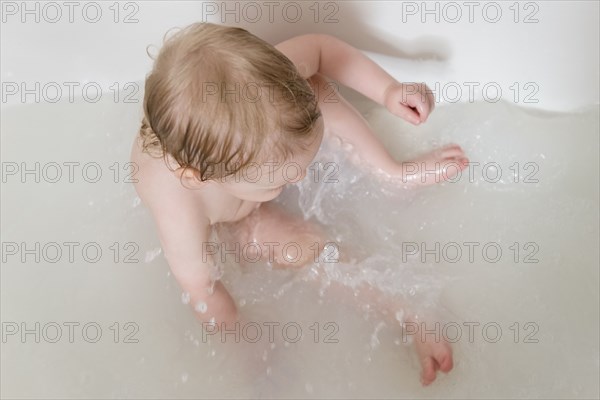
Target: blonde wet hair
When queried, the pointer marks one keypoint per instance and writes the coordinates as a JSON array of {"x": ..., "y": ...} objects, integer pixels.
[{"x": 219, "y": 98}]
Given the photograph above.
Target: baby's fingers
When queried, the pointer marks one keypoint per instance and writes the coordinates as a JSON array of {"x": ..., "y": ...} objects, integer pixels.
[
  {"x": 420, "y": 105},
  {"x": 408, "y": 113}
]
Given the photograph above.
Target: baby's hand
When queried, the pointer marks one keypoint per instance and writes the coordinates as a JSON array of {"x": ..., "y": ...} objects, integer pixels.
[{"x": 410, "y": 101}]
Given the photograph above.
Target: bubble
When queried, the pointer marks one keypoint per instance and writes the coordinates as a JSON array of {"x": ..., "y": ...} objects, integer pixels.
[
  {"x": 202, "y": 307},
  {"x": 185, "y": 298}
]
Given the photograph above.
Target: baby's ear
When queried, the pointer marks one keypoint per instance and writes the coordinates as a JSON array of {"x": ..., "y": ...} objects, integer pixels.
[{"x": 189, "y": 177}]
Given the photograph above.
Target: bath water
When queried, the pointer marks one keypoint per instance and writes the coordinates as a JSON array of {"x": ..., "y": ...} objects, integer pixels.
[{"x": 507, "y": 255}]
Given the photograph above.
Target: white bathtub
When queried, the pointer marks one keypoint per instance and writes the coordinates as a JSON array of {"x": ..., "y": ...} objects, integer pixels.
[{"x": 71, "y": 105}]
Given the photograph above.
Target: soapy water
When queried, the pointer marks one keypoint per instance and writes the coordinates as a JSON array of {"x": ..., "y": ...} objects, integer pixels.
[
  {"x": 547, "y": 310},
  {"x": 371, "y": 247}
]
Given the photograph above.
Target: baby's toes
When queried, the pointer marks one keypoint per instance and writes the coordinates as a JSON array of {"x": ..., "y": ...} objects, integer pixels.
[
  {"x": 456, "y": 159},
  {"x": 451, "y": 151},
  {"x": 428, "y": 368},
  {"x": 444, "y": 360},
  {"x": 453, "y": 166}
]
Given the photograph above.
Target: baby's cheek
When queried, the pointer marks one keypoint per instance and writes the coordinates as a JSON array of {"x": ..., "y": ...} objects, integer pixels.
[{"x": 272, "y": 194}]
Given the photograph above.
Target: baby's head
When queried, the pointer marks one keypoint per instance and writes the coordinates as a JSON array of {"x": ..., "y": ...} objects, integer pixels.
[{"x": 220, "y": 102}]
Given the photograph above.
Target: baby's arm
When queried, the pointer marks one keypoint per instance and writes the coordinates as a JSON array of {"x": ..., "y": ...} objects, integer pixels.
[
  {"x": 184, "y": 237},
  {"x": 317, "y": 53},
  {"x": 316, "y": 56},
  {"x": 183, "y": 230}
]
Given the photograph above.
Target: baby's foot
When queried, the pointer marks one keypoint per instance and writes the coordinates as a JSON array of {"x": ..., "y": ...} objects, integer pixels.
[
  {"x": 433, "y": 355},
  {"x": 435, "y": 167}
]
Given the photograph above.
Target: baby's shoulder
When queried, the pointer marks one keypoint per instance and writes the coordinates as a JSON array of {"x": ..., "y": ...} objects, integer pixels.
[{"x": 157, "y": 186}]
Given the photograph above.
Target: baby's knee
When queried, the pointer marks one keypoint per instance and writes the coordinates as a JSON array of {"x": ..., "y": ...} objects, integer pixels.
[{"x": 302, "y": 250}]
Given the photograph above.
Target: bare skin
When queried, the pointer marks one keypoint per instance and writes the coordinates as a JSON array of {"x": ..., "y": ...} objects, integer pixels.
[{"x": 185, "y": 209}]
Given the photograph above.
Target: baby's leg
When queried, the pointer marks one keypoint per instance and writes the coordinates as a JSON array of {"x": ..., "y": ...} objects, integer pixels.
[
  {"x": 343, "y": 120},
  {"x": 434, "y": 353},
  {"x": 286, "y": 235},
  {"x": 272, "y": 235}
]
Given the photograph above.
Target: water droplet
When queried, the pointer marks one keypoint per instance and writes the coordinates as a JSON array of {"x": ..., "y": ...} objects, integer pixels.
[
  {"x": 184, "y": 377},
  {"x": 185, "y": 298},
  {"x": 242, "y": 302},
  {"x": 152, "y": 254},
  {"x": 269, "y": 371},
  {"x": 400, "y": 316},
  {"x": 136, "y": 201},
  {"x": 201, "y": 307},
  {"x": 265, "y": 355}
]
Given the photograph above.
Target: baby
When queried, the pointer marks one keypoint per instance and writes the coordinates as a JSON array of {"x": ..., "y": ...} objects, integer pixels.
[{"x": 226, "y": 114}]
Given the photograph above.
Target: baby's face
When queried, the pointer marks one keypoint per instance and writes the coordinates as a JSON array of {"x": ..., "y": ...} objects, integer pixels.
[{"x": 264, "y": 182}]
